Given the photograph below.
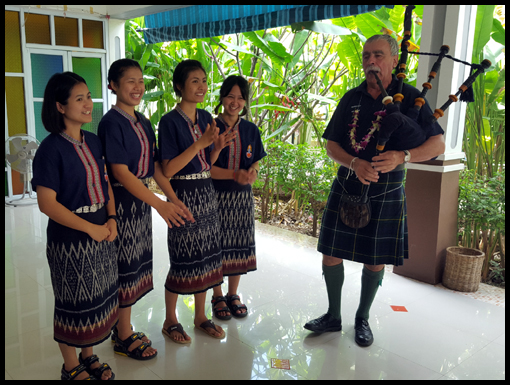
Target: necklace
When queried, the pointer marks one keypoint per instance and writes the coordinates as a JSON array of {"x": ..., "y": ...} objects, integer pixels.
[{"x": 376, "y": 124}]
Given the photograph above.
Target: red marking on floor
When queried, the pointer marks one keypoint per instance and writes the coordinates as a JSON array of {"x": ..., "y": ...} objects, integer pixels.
[{"x": 399, "y": 308}]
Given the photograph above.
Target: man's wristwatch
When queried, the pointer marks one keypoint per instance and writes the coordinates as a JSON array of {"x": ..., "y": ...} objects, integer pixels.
[{"x": 407, "y": 157}]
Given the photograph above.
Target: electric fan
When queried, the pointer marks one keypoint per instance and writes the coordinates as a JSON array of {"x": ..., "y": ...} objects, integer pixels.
[{"x": 19, "y": 154}]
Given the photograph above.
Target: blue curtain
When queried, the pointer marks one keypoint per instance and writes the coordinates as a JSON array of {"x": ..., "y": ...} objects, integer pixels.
[{"x": 201, "y": 21}]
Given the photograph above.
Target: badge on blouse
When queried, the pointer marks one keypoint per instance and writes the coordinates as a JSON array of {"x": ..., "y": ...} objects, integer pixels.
[
  {"x": 105, "y": 173},
  {"x": 249, "y": 151}
]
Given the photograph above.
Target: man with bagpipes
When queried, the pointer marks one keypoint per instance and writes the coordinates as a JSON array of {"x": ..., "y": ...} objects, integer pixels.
[{"x": 372, "y": 136}]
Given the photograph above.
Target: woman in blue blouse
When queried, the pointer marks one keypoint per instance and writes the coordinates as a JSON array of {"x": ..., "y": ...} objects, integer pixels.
[
  {"x": 233, "y": 174},
  {"x": 185, "y": 135},
  {"x": 132, "y": 158},
  {"x": 73, "y": 191}
]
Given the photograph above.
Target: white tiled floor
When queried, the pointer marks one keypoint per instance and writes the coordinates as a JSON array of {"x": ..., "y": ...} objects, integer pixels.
[{"x": 442, "y": 336}]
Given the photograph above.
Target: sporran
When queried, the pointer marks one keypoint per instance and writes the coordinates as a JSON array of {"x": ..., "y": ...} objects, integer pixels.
[{"x": 355, "y": 210}]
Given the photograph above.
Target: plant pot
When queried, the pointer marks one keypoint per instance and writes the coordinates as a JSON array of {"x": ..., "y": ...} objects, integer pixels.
[{"x": 463, "y": 268}]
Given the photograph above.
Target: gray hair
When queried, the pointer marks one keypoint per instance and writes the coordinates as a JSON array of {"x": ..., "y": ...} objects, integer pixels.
[{"x": 391, "y": 41}]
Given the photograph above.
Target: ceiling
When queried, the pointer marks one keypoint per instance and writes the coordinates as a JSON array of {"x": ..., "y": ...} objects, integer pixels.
[
  {"x": 123, "y": 12},
  {"x": 132, "y": 11}
]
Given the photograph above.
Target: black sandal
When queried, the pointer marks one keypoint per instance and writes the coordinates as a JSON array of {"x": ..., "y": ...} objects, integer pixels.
[
  {"x": 73, "y": 373},
  {"x": 115, "y": 335},
  {"x": 218, "y": 310},
  {"x": 121, "y": 347},
  {"x": 234, "y": 308},
  {"x": 97, "y": 372}
]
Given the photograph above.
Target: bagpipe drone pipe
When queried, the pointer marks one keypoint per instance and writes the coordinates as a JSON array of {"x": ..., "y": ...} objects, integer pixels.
[{"x": 406, "y": 127}]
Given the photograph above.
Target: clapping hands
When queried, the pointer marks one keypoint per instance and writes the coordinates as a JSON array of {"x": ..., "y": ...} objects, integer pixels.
[
  {"x": 225, "y": 139},
  {"x": 210, "y": 135},
  {"x": 244, "y": 177}
]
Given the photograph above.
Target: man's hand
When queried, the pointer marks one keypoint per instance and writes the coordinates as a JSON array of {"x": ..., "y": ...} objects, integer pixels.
[
  {"x": 365, "y": 172},
  {"x": 388, "y": 160}
]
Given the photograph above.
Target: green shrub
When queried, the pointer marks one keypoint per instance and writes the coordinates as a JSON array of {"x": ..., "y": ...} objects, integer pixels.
[{"x": 481, "y": 216}]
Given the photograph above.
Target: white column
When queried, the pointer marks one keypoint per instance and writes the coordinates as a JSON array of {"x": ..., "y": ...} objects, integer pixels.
[
  {"x": 116, "y": 48},
  {"x": 452, "y": 25}
]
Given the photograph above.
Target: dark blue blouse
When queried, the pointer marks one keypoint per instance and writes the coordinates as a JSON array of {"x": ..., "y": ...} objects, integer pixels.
[
  {"x": 76, "y": 171},
  {"x": 246, "y": 149},
  {"x": 128, "y": 141},
  {"x": 176, "y": 135}
]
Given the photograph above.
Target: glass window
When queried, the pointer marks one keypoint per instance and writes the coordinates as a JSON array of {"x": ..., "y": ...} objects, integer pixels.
[
  {"x": 12, "y": 43},
  {"x": 18, "y": 184},
  {"x": 66, "y": 31},
  {"x": 43, "y": 68},
  {"x": 93, "y": 34},
  {"x": 40, "y": 131},
  {"x": 15, "y": 100},
  {"x": 89, "y": 68},
  {"x": 37, "y": 28}
]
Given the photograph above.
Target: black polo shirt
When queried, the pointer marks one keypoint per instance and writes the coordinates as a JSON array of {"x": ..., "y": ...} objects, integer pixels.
[{"x": 406, "y": 138}]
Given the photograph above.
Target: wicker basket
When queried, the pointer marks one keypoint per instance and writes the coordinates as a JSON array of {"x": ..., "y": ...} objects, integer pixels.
[{"x": 463, "y": 268}]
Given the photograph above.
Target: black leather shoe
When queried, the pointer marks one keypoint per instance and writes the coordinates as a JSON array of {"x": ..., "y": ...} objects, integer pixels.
[
  {"x": 325, "y": 323},
  {"x": 363, "y": 334}
]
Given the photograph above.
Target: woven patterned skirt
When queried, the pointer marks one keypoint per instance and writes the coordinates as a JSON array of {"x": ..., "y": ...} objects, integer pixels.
[
  {"x": 134, "y": 244},
  {"x": 237, "y": 223},
  {"x": 384, "y": 239},
  {"x": 85, "y": 283},
  {"x": 195, "y": 249}
]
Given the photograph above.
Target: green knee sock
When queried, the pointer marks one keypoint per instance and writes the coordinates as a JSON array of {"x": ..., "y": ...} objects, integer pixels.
[
  {"x": 334, "y": 277},
  {"x": 370, "y": 282}
]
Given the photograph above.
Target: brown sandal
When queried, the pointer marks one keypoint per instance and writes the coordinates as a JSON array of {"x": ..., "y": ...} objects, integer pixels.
[
  {"x": 209, "y": 324},
  {"x": 178, "y": 328}
]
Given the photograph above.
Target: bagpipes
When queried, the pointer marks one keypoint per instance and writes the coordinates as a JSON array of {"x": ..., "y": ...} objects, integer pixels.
[
  {"x": 406, "y": 126},
  {"x": 355, "y": 210}
]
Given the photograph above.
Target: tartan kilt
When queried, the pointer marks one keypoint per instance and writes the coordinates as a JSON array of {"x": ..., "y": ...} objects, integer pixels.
[{"x": 384, "y": 239}]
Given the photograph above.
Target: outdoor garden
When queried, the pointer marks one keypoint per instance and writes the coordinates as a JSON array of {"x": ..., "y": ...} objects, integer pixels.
[{"x": 297, "y": 75}]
